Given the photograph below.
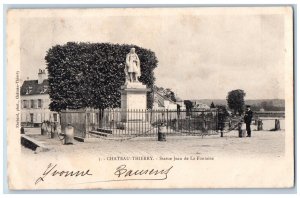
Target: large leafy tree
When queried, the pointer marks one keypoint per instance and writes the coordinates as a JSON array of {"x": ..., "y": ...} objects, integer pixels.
[
  {"x": 235, "y": 100},
  {"x": 91, "y": 74}
]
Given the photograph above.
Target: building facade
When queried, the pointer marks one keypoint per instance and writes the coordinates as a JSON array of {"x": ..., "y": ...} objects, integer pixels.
[
  {"x": 200, "y": 106},
  {"x": 35, "y": 102}
]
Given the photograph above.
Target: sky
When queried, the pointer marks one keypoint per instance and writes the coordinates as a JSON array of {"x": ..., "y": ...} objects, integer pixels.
[{"x": 201, "y": 56}]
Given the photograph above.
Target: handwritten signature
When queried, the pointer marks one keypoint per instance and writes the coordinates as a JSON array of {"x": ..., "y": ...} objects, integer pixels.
[
  {"x": 51, "y": 170},
  {"x": 122, "y": 172}
]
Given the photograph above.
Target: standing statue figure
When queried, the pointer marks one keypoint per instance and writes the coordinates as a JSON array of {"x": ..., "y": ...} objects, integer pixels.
[{"x": 132, "y": 69}]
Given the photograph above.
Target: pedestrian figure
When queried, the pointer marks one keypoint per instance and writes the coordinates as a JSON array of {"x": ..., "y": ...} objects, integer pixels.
[{"x": 248, "y": 119}]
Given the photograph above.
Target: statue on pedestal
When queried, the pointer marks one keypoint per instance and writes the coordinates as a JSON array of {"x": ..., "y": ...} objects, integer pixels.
[
  {"x": 133, "y": 94},
  {"x": 132, "y": 68}
]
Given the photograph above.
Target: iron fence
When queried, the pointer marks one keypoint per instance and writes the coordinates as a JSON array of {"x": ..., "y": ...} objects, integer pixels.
[
  {"x": 146, "y": 122},
  {"x": 118, "y": 122},
  {"x": 83, "y": 120}
]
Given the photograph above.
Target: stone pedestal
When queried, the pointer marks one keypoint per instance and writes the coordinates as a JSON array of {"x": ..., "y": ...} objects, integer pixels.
[{"x": 133, "y": 101}]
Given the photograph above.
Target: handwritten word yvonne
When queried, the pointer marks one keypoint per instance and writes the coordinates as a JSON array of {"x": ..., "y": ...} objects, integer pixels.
[{"x": 51, "y": 170}]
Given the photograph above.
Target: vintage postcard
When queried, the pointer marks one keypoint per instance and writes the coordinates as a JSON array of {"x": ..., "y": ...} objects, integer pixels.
[{"x": 150, "y": 98}]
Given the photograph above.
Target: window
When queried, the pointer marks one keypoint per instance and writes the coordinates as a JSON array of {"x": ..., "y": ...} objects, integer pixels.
[
  {"x": 31, "y": 117},
  {"x": 29, "y": 89},
  {"x": 44, "y": 89},
  {"x": 31, "y": 103},
  {"x": 25, "y": 104},
  {"x": 55, "y": 117},
  {"x": 39, "y": 103}
]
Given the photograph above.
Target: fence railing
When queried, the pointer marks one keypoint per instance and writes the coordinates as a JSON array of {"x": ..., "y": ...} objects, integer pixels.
[
  {"x": 83, "y": 120},
  {"x": 119, "y": 122},
  {"x": 146, "y": 122}
]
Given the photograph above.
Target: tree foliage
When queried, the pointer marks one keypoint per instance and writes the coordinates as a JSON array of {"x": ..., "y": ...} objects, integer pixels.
[
  {"x": 222, "y": 110},
  {"x": 91, "y": 74},
  {"x": 170, "y": 94},
  {"x": 235, "y": 100},
  {"x": 268, "y": 106},
  {"x": 189, "y": 106}
]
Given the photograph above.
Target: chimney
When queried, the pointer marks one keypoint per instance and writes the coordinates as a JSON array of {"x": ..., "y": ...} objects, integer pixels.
[{"x": 41, "y": 76}]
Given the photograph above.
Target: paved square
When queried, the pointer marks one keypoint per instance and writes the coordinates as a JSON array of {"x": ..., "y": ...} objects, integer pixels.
[{"x": 262, "y": 143}]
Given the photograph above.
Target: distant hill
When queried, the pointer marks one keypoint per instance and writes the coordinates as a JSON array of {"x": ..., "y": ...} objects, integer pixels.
[
  {"x": 254, "y": 102},
  {"x": 275, "y": 102}
]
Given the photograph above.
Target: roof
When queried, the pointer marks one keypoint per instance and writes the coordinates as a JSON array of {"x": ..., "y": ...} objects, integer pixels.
[
  {"x": 159, "y": 98},
  {"x": 201, "y": 105},
  {"x": 31, "y": 87}
]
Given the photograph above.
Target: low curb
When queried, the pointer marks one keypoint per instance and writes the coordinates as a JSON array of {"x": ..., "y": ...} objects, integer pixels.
[{"x": 33, "y": 144}]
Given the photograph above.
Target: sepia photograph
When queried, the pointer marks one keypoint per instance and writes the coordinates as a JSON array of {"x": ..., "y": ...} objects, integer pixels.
[{"x": 150, "y": 98}]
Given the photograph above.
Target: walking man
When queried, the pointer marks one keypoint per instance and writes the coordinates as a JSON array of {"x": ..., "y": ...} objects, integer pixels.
[{"x": 248, "y": 120}]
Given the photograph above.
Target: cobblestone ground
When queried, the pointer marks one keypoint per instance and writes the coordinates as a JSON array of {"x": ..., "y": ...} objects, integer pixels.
[{"x": 263, "y": 143}]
